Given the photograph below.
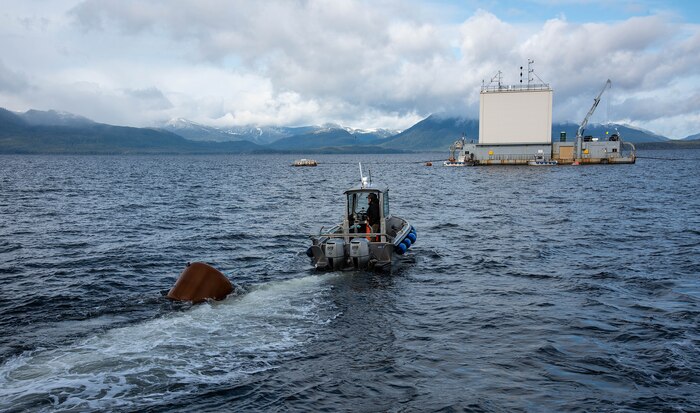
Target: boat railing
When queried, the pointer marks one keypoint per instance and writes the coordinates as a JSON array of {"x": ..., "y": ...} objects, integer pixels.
[{"x": 350, "y": 234}]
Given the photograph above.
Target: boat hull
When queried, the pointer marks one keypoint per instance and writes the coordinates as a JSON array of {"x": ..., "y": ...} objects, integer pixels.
[
  {"x": 340, "y": 250},
  {"x": 379, "y": 257},
  {"x": 542, "y": 163}
]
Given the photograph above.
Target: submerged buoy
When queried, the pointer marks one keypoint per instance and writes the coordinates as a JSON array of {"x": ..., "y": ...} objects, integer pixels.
[{"x": 199, "y": 282}]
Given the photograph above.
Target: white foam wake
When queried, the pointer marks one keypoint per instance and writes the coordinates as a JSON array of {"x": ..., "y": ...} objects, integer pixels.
[{"x": 163, "y": 358}]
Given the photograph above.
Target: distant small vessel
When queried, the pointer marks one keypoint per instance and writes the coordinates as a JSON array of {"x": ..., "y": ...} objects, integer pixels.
[
  {"x": 352, "y": 244},
  {"x": 454, "y": 163},
  {"x": 461, "y": 159},
  {"x": 305, "y": 162},
  {"x": 540, "y": 161}
]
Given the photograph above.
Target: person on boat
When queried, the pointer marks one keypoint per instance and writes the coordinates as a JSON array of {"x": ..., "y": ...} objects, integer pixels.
[{"x": 373, "y": 213}]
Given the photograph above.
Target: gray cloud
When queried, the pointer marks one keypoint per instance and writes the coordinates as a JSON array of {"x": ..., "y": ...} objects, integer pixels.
[
  {"x": 323, "y": 49},
  {"x": 652, "y": 108},
  {"x": 11, "y": 81},
  {"x": 309, "y": 61},
  {"x": 151, "y": 97}
]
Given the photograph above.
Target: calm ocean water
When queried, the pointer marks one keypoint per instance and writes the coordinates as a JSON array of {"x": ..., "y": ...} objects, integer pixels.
[{"x": 528, "y": 290}]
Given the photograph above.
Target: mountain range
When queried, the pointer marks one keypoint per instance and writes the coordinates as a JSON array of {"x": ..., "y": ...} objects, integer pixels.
[
  {"x": 264, "y": 135},
  {"x": 259, "y": 135},
  {"x": 60, "y": 132}
]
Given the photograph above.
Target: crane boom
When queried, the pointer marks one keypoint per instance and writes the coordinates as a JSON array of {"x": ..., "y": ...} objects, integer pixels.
[{"x": 581, "y": 128}]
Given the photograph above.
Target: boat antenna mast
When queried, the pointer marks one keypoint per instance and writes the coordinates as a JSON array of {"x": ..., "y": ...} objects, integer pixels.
[{"x": 365, "y": 180}]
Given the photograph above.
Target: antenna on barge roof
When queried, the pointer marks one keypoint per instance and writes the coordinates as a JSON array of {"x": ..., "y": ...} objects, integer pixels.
[
  {"x": 531, "y": 73},
  {"x": 497, "y": 77}
]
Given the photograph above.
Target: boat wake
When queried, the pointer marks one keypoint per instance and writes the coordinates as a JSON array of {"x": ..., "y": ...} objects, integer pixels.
[{"x": 216, "y": 343}]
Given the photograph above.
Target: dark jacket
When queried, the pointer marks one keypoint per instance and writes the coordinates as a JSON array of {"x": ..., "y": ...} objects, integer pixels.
[{"x": 373, "y": 212}]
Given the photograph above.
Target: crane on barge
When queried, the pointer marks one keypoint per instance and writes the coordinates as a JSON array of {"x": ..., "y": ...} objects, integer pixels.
[
  {"x": 596, "y": 101},
  {"x": 579, "y": 133}
]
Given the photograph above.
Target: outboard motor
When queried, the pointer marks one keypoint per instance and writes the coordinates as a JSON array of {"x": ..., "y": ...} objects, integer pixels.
[
  {"x": 359, "y": 252},
  {"x": 335, "y": 253}
]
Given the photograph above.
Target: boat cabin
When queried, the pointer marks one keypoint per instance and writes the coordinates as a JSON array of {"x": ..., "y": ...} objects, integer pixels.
[{"x": 356, "y": 210}]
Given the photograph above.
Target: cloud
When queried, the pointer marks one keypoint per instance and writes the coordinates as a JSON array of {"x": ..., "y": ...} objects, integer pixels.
[
  {"x": 328, "y": 51},
  {"x": 648, "y": 108},
  {"x": 353, "y": 62},
  {"x": 319, "y": 51},
  {"x": 151, "y": 98},
  {"x": 11, "y": 81}
]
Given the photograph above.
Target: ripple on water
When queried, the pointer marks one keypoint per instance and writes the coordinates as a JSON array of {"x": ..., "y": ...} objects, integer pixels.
[{"x": 522, "y": 293}]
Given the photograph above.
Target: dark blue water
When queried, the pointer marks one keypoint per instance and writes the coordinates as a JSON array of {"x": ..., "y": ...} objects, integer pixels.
[{"x": 529, "y": 289}]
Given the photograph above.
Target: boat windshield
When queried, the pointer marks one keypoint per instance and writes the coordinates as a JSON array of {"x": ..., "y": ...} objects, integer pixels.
[{"x": 357, "y": 203}]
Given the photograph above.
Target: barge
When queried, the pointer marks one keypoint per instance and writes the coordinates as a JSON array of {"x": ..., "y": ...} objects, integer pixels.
[{"x": 526, "y": 138}]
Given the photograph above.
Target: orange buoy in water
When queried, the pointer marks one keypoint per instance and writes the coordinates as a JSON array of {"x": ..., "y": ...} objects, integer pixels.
[{"x": 199, "y": 282}]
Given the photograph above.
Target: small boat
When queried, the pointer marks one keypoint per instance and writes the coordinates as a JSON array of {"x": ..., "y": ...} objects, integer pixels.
[
  {"x": 461, "y": 159},
  {"x": 540, "y": 161},
  {"x": 305, "y": 162},
  {"x": 454, "y": 163},
  {"x": 352, "y": 243}
]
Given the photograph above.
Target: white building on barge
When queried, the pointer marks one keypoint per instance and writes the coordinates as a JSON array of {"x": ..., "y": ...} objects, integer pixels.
[{"x": 515, "y": 128}]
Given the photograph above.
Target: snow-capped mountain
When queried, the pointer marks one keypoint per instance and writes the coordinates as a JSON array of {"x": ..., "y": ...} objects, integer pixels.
[
  {"x": 362, "y": 134},
  {"x": 257, "y": 134},
  {"x": 263, "y": 134},
  {"x": 197, "y": 132}
]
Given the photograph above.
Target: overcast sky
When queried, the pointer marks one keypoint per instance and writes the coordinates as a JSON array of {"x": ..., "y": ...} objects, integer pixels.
[{"x": 366, "y": 64}]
